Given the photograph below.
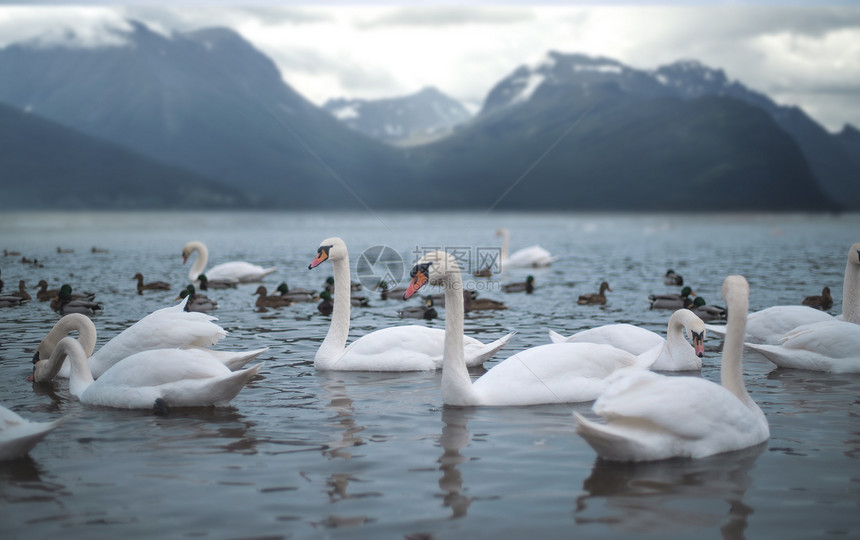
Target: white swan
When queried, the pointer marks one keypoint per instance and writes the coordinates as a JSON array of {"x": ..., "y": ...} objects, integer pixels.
[
  {"x": 18, "y": 436},
  {"x": 398, "y": 348},
  {"x": 234, "y": 271},
  {"x": 832, "y": 346},
  {"x": 771, "y": 324},
  {"x": 676, "y": 353},
  {"x": 158, "y": 378},
  {"x": 533, "y": 256},
  {"x": 555, "y": 373},
  {"x": 650, "y": 416},
  {"x": 166, "y": 328}
]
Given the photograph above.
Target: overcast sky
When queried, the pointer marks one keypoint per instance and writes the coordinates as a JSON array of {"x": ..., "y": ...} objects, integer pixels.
[{"x": 796, "y": 53}]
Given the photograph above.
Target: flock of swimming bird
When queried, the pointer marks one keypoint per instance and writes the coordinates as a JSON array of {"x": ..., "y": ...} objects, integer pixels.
[{"x": 167, "y": 358}]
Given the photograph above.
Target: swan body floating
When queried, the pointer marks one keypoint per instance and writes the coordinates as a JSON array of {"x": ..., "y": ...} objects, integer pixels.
[
  {"x": 651, "y": 417},
  {"x": 155, "y": 378},
  {"x": 397, "y": 348},
  {"x": 676, "y": 353},
  {"x": 533, "y": 256},
  {"x": 555, "y": 373},
  {"x": 170, "y": 327},
  {"x": 18, "y": 436},
  {"x": 832, "y": 346},
  {"x": 769, "y": 325},
  {"x": 235, "y": 271}
]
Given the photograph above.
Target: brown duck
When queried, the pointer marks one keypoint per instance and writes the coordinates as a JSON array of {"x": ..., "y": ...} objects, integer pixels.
[
  {"x": 823, "y": 302},
  {"x": 275, "y": 300},
  {"x": 595, "y": 298}
]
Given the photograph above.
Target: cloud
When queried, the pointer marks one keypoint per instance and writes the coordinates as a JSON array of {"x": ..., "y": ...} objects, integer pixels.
[{"x": 446, "y": 16}]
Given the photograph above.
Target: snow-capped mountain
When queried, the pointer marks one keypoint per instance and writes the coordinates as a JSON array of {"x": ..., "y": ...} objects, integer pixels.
[
  {"x": 828, "y": 156},
  {"x": 412, "y": 119}
]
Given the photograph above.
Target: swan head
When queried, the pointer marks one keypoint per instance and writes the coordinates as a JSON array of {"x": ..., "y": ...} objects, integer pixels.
[
  {"x": 331, "y": 248},
  {"x": 190, "y": 248},
  {"x": 435, "y": 268},
  {"x": 854, "y": 253},
  {"x": 695, "y": 326}
]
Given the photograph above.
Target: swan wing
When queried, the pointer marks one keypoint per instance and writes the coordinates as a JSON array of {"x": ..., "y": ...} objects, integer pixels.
[
  {"x": 824, "y": 346},
  {"x": 650, "y": 416},
  {"x": 627, "y": 337},
  {"x": 235, "y": 359},
  {"x": 771, "y": 324},
  {"x": 476, "y": 353},
  {"x": 18, "y": 436},
  {"x": 553, "y": 373}
]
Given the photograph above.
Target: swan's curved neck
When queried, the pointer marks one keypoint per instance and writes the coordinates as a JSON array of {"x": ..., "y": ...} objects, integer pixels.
[
  {"x": 676, "y": 344},
  {"x": 69, "y": 323},
  {"x": 200, "y": 261},
  {"x": 731, "y": 367},
  {"x": 456, "y": 383},
  {"x": 81, "y": 377},
  {"x": 338, "y": 331},
  {"x": 851, "y": 292}
]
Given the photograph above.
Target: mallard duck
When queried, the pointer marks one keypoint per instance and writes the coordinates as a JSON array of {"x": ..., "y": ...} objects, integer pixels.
[
  {"x": 22, "y": 292},
  {"x": 673, "y": 279},
  {"x": 528, "y": 285},
  {"x": 483, "y": 272},
  {"x": 389, "y": 293},
  {"x": 595, "y": 298},
  {"x": 275, "y": 300},
  {"x": 326, "y": 305},
  {"x": 355, "y": 300},
  {"x": 672, "y": 301},
  {"x": 196, "y": 301},
  {"x": 64, "y": 250},
  {"x": 10, "y": 301},
  {"x": 823, "y": 302},
  {"x": 95, "y": 249},
  {"x": 206, "y": 284},
  {"x": 468, "y": 296},
  {"x": 7, "y": 253},
  {"x": 706, "y": 312},
  {"x": 472, "y": 303},
  {"x": 65, "y": 303},
  {"x": 151, "y": 286},
  {"x": 427, "y": 311},
  {"x": 296, "y": 295},
  {"x": 44, "y": 293}
]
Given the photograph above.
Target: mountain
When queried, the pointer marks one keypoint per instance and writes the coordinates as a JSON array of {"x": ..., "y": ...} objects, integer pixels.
[
  {"x": 414, "y": 119},
  {"x": 209, "y": 102},
  {"x": 589, "y": 133},
  {"x": 51, "y": 167}
]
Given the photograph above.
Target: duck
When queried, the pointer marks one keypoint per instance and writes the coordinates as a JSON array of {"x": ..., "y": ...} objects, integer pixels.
[
  {"x": 533, "y": 256},
  {"x": 468, "y": 296},
  {"x": 236, "y": 271},
  {"x": 65, "y": 303},
  {"x": 355, "y": 300},
  {"x": 649, "y": 417},
  {"x": 822, "y": 302},
  {"x": 483, "y": 272},
  {"x": 528, "y": 286},
  {"x": 553, "y": 373},
  {"x": 9, "y": 253},
  {"x": 166, "y": 328},
  {"x": 65, "y": 250},
  {"x": 387, "y": 293},
  {"x": 44, "y": 294},
  {"x": 676, "y": 353},
  {"x": 296, "y": 294},
  {"x": 426, "y": 311},
  {"x": 10, "y": 301},
  {"x": 95, "y": 249},
  {"x": 151, "y": 286},
  {"x": 672, "y": 301},
  {"x": 197, "y": 301},
  {"x": 595, "y": 298},
  {"x": 473, "y": 303},
  {"x": 354, "y": 286},
  {"x": 206, "y": 283},
  {"x": 18, "y": 436},
  {"x": 1, "y": 284},
  {"x": 396, "y": 348},
  {"x": 672, "y": 279},
  {"x": 707, "y": 313},
  {"x": 275, "y": 300},
  {"x": 830, "y": 346},
  {"x": 326, "y": 306},
  {"x": 22, "y": 292},
  {"x": 770, "y": 325},
  {"x": 157, "y": 379}
]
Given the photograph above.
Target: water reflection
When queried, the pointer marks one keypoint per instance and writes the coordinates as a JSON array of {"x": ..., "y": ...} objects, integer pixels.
[
  {"x": 343, "y": 421},
  {"x": 455, "y": 435},
  {"x": 670, "y": 496}
]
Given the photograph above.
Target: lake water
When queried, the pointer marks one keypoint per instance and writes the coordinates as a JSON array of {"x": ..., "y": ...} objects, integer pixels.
[{"x": 307, "y": 454}]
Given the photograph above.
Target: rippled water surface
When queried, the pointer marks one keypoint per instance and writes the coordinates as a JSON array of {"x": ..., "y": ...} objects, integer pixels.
[{"x": 307, "y": 454}]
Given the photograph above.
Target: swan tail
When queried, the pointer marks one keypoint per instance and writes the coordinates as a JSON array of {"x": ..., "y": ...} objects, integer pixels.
[
  {"x": 232, "y": 384},
  {"x": 647, "y": 358},
  {"x": 237, "y": 359},
  {"x": 482, "y": 353},
  {"x": 788, "y": 358},
  {"x": 555, "y": 337},
  {"x": 25, "y": 436},
  {"x": 610, "y": 444}
]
